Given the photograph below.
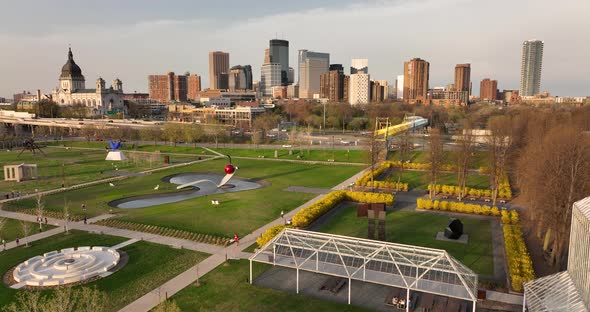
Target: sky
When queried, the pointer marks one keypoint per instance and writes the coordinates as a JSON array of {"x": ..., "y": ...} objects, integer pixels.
[{"x": 132, "y": 39}]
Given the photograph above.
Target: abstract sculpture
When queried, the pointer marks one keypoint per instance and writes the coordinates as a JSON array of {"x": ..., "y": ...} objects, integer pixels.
[
  {"x": 115, "y": 153},
  {"x": 454, "y": 230},
  {"x": 229, "y": 169}
]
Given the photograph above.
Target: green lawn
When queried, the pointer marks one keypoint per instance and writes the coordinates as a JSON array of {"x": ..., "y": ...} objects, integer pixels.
[
  {"x": 149, "y": 265},
  {"x": 74, "y": 165},
  {"x": 420, "y": 228},
  {"x": 239, "y": 212},
  {"x": 420, "y": 179},
  {"x": 225, "y": 289},
  {"x": 164, "y": 148},
  {"x": 13, "y": 229},
  {"x": 355, "y": 156},
  {"x": 479, "y": 158}
]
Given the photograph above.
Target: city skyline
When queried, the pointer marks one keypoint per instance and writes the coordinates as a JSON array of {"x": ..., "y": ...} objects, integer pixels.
[{"x": 499, "y": 56}]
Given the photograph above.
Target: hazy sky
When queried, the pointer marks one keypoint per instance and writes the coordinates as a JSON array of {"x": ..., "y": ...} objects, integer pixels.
[{"x": 134, "y": 38}]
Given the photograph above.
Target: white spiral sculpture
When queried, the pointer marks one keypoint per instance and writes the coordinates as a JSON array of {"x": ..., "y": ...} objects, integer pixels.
[{"x": 66, "y": 266}]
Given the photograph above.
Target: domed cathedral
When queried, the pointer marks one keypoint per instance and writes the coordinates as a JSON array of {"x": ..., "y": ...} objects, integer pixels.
[{"x": 72, "y": 90}]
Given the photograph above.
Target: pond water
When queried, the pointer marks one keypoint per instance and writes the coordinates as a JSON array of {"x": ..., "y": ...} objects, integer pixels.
[{"x": 201, "y": 189}]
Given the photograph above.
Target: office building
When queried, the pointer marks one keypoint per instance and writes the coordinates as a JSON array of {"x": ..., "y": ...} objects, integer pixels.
[
  {"x": 279, "y": 92},
  {"x": 444, "y": 97},
  {"x": 399, "y": 87},
  {"x": 270, "y": 76},
  {"x": 292, "y": 91},
  {"x": 416, "y": 73},
  {"x": 359, "y": 89},
  {"x": 279, "y": 54},
  {"x": 332, "y": 84},
  {"x": 240, "y": 78},
  {"x": 488, "y": 90},
  {"x": 311, "y": 66},
  {"x": 377, "y": 90},
  {"x": 532, "y": 63},
  {"x": 291, "y": 75},
  {"x": 360, "y": 66},
  {"x": 218, "y": 70},
  {"x": 462, "y": 78}
]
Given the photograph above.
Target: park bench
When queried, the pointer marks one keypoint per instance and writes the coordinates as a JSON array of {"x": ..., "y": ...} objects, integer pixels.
[
  {"x": 445, "y": 197},
  {"x": 502, "y": 201},
  {"x": 487, "y": 200},
  {"x": 472, "y": 198}
]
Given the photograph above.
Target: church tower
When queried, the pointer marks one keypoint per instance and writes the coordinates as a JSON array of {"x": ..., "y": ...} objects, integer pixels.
[
  {"x": 100, "y": 85},
  {"x": 71, "y": 78},
  {"x": 118, "y": 85}
]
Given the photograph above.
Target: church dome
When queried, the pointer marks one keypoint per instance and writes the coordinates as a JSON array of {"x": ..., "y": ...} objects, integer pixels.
[{"x": 71, "y": 69}]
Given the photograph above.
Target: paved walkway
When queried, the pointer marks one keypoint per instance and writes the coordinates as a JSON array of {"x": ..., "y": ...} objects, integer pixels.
[{"x": 154, "y": 297}]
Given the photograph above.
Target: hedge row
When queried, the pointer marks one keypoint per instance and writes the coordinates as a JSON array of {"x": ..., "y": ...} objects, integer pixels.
[
  {"x": 309, "y": 214},
  {"x": 520, "y": 264},
  {"x": 365, "y": 179},
  {"x": 507, "y": 216},
  {"x": 422, "y": 166},
  {"x": 158, "y": 230},
  {"x": 270, "y": 234},
  {"x": 504, "y": 190}
]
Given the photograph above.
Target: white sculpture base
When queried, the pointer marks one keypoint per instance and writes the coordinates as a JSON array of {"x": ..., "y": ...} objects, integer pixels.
[{"x": 115, "y": 155}]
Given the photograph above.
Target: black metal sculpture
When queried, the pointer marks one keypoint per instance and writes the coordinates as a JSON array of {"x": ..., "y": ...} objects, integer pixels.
[
  {"x": 30, "y": 145},
  {"x": 454, "y": 230}
]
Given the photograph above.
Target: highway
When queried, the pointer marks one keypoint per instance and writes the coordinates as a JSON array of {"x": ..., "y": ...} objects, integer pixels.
[{"x": 77, "y": 123}]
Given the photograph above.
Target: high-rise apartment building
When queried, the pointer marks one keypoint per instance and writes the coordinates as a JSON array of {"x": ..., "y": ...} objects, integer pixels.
[
  {"x": 462, "y": 77},
  {"x": 385, "y": 85},
  {"x": 311, "y": 66},
  {"x": 279, "y": 54},
  {"x": 360, "y": 66},
  {"x": 416, "y": 73},
  {"x": 240, "y": 78},
  {"x": 399, "y": 87},
  {"x": 359, "y": 89},
  {"x": 532, "y": 63},
  {"x": 488, "y": 90},
  {"x": 171, "y": 87},
  {"x": 332, "y": 83},
  {"x": 194, "y": 86},
  {"x": 218, "y": 70}
]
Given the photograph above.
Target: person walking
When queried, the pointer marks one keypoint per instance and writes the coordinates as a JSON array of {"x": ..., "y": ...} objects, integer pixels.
[
  {"x": 17, "y": 241},
  {"x": 236, "y": 239},
  {"x": 45, "y": 220},
  {"x": 4, "y": 244}
]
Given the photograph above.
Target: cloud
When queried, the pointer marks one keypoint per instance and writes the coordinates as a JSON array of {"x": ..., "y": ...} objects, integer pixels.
[{"x": 487, "y": 34}]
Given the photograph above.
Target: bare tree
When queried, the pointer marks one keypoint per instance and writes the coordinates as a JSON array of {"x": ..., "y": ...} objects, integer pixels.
[
  {"x": 404, "y": 149},
  {"x": 173, "y": 132},
  {"x": 66, "y": 216},
  {"x": 30, "y": 301},
  {"x": 150, "y": 134},
  {"x": 552, "y": 180},
  {"x": 64, "y": 299},
  {"x": 2, "y": 223},
  {"x": 40, "y": 210},
  {"x": 435, "y": 158},
  {"x": 464, "y": 157},
  {"x": 193, "y": 133},
  {"x": 88, "y": 131},
  {"x": 375, "y": 154},
  {"x": 499, "y": 144},
  {"x": 26, "y": 227}
]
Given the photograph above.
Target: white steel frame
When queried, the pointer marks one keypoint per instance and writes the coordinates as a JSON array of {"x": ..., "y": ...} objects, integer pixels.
[
  {"x": 410, "y": 267},
  {"x": 555, "y": 293}
]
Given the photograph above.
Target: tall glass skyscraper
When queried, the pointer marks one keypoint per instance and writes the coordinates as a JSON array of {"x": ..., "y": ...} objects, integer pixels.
[
  {"x": 279, "y": 54},
  {"x": 311, "y": 66},
  {"x": 530, "y": 72}
]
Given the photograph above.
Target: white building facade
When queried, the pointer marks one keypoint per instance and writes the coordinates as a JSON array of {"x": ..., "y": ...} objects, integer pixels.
[
  {"x": 359, "y": 89},
  {"x": 72, "y": 91},
  {"x": 270, "y": 76}
]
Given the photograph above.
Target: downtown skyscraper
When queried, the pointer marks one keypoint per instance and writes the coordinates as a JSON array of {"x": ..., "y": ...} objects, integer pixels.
[
  {"x": 311, "y": 66},
  {"x": 416, "y": 74},
  {"x": 278, "y": 53},
  {"x": 463, "y": 77},
  {"x": 218, "y": 70},
  {"x": 532, "y": 63}
]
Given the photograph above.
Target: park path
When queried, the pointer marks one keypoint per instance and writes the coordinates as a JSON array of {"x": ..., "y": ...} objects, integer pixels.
[
  {"x": 154, "y": 297},
  {"x": 41, "y": 235}
]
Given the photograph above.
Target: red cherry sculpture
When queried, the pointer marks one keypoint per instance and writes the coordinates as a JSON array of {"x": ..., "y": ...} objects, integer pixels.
[{"x": 229, "y": 169}]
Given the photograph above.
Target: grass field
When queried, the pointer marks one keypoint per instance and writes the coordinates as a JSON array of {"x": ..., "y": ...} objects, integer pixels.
[
  {"x": 77, "y": 165},
  {"x": 130, "y": 146},
  {"x": 239, "y": 212},
  {"x": 420, "y": 156},
  {"x": 420, "y": 180},
  {"x": 420, "y": 228},
  {"x": 355, "y": 156},
  {"x": 13, "y": 229},
  {"x": 149, "y": 265},
  {"x": 226, "y": 289}
]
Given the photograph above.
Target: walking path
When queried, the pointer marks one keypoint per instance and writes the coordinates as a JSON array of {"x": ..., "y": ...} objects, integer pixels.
[
  {"x": 153, "y": 298},
  {"x": 125, "y": 243},
  {"x": 310, "y": 190}
]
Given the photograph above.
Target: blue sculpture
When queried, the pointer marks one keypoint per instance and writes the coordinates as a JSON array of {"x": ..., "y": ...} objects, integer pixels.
[{"x": 114, "y": 146}]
